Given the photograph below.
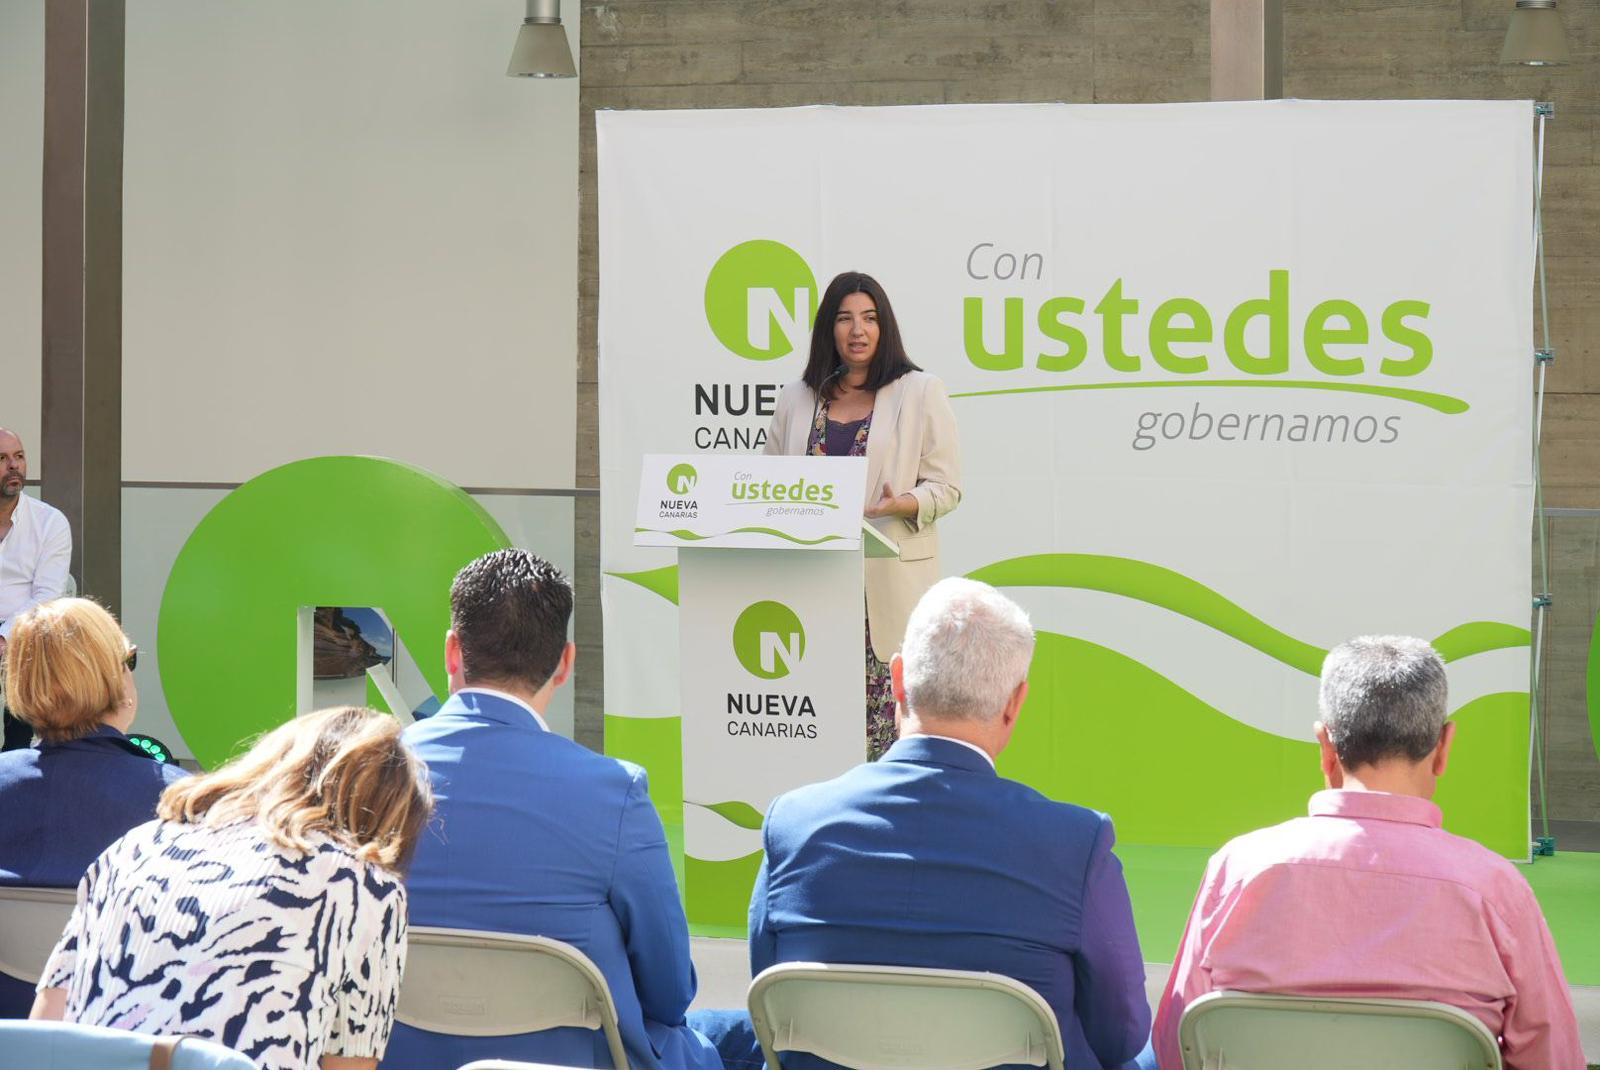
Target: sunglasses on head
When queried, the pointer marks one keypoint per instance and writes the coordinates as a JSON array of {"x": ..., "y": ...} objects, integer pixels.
[{"x": 132, "y": 660}]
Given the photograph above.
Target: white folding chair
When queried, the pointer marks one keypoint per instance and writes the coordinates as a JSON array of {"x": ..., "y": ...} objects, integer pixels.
[
  {"x": 902, "y": 1018},
  {"x": 31, "y": 922},
  {"x": 66, "y": 1046},
  {"x": 478, "y": 984},
  {"x": 1261, "y": 1031}
]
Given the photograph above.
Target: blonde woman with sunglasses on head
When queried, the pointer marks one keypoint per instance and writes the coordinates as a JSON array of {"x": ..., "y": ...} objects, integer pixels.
[
  {"x": 265, "y": 909},
  {"x": 69, "y": 676}
]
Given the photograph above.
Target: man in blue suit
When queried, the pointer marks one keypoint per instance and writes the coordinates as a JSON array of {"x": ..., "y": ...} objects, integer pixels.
[
  {"x": 928, "y": 858},
  {"x": 535, "y": 834}
]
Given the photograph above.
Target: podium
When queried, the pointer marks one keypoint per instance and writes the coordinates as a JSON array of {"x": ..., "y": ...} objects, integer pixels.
[{"x": 772, "y": 646}]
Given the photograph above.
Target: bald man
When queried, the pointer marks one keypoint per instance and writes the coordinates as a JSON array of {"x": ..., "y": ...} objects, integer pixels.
[{"x": 35, "y": 554}]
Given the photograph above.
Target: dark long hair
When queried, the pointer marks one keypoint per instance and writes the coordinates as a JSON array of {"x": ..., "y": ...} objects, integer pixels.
[{"x": 888, "y": 363}]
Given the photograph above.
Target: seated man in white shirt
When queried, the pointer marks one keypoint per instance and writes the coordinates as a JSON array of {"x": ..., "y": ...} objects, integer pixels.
[{"x": 35, "y": 554}]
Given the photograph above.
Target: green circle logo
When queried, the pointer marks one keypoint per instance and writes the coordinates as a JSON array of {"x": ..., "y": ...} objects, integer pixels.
[
  {"x": 681, "y": 479},
  {"x": 760, "y": 300},
  {"x": 769, "y": 640}
]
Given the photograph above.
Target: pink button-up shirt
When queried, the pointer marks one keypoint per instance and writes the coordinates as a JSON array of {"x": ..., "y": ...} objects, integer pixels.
[{"x": 1369, "y": 896}]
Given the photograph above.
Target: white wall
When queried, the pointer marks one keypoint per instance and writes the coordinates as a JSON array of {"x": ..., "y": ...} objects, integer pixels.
[
  {"x": 21, "y": 160},
  {"x": 346, "y": 230}
]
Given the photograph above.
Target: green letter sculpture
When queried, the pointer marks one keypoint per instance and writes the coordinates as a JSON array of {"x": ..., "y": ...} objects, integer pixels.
[{"x": 328, "y": 531}]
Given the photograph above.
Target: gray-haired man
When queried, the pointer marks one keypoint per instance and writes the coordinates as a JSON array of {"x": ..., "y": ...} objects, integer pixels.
[{"x": 1369, "y": 896}]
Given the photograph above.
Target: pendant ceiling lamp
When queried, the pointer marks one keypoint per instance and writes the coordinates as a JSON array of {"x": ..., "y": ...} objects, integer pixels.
[
  {"x": 1535, "y": 36},
  {"x": 541, "y": 50}
]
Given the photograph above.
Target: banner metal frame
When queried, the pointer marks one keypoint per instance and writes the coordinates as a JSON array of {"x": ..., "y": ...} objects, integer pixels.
[{"x": 1544, "y": 356}]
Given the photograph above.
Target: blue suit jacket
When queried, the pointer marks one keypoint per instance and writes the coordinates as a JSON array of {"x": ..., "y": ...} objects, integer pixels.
[
  {"x": 535, "y": 834},
  {"x": 61, "y": 804},
  {"x": 928, "y": 858}
]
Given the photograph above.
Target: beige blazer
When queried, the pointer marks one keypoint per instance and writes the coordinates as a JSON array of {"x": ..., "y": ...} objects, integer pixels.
[{"x": 913, "y": 447}]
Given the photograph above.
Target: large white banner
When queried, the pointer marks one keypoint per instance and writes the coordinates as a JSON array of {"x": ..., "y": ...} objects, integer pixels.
[{"x": 1234, "y": 382}]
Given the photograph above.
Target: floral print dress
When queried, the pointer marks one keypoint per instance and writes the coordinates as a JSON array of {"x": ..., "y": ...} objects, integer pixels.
[{"x": 880, "y": 696}]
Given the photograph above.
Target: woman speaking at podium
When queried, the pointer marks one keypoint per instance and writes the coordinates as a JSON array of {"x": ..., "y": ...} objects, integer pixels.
[{"x": 861, "y": 396}]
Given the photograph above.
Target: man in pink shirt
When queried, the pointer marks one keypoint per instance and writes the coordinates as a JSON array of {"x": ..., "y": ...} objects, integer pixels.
[{"x": 1369, "y": 896}]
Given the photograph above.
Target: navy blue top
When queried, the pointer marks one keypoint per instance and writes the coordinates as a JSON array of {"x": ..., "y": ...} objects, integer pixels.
[
  {"x": 61, "y": 804},
  {"x": 841, "y": 437},
  {"x": 928, "y": 858}
]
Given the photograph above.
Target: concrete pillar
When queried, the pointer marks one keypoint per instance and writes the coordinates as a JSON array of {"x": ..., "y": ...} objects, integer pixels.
[
  {"x": 1246, "y": 49},
  {"x": 82, "y": 285}
]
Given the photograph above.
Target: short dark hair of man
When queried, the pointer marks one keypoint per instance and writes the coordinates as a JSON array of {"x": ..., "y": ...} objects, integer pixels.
[{"x": 509, "y": 610}]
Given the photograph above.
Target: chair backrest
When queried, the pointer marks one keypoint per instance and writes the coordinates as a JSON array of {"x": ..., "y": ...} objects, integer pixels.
[
  {"x": 902, "y": 1018},
  {"x": 31, "y": 921},
  {"x": 480, "y": 984},
  {"x": 64, "y": 1046},
  {"x": 1260, "y": 1031}
]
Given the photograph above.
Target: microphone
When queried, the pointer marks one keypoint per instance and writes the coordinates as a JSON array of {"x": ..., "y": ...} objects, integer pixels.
[{"x": 822, "y": 391}]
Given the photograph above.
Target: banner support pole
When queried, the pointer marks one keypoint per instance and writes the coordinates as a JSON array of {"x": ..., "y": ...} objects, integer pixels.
[{"x": 1544, "y": 356}]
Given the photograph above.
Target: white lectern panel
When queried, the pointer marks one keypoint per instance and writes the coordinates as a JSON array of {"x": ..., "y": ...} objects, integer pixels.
[{"x": 773, "y": 648}]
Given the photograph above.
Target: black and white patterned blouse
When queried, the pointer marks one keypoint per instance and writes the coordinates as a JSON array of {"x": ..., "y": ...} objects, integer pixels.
[{"x": 216, "y": 933}]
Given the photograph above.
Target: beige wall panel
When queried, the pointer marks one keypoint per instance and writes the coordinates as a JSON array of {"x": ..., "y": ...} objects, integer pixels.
[
  {"x": 1572, "y": 451},
  {"x": 1571, "y": 763},
  {"x": 1050, "y": 58},
  {"x": 1152, "y": 53},
  {"x": 1571, "y": 197},
  {"x": 1575, "y": 323}
]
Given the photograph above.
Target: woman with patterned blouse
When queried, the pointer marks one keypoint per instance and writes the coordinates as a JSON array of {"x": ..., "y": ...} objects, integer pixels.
[
  {"x": 861, "y": 396},
  {"x": 265, "y": 909}
]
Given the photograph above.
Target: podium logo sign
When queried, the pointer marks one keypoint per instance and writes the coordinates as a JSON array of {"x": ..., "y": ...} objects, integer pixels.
[
  {"x": 803, "y": 497},
  {"x": 681, "y": 480},
  {"x": 760, "y": 300},
  {"x": 749, "y": 502},
  {"x": 769, "y": 640},
  {"x": 680, "y": 483}
]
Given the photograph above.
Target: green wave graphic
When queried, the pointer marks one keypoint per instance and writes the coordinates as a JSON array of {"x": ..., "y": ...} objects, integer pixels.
[
  {"x": 663, "y": 581},
  {"x": 717, "y": 894},
  {"x": 1480, "y": 637},
  {"x": 1174, "y": 591},
  {"x": 1438, "y": 402},
  {"x": 695, "y": 536},
  {"x": 1102, "y": 729},
  {"x": 735, "y": 812},
  {"x": 1158, "y": 586}
]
